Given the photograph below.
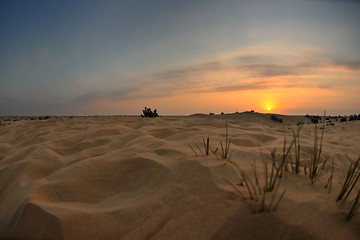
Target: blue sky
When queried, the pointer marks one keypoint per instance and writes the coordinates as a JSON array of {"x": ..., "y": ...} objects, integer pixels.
[{"x": 182, "y": 57}]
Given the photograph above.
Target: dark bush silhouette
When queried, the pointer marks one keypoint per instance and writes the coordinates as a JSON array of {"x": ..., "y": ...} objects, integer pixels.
[
  {"x": 148, "y": 113},
  {"x": 353, "y": 117},
  {"x": 275, "y": 118}
]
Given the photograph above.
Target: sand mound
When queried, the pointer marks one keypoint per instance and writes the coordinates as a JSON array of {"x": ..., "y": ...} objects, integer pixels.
[{"x": 135, "y": 178}]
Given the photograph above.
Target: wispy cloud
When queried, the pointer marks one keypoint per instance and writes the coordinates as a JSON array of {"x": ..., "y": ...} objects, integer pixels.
[
  {"x": 236, "y": 73},
  {"x": 249, "y": 72},
  {"x": 243, "y": 72},
  {"x": 351, "y": 65}
]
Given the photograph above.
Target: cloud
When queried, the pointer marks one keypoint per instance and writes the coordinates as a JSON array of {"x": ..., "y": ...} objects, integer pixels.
[
  {"x": 241, "y": 72},
  {"x": 269, "y": 70},
  {"x": 182, "y": 72},
  {"x": 114, "y": 95},
  {"x": 352, "y": 65},
  {"x": 23, "y": 106},
  {"x": 246, "y": 72}
]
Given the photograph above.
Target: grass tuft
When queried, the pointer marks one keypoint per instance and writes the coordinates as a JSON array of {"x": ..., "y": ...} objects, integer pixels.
[
  {"x": 329, "y": 182},
  {"x": 226, "y": 146},
  {"x": 277, "y": 170},
  {"x": 315, "y": 166},
  {"x": 296, "y": 135},
  {"x": 206, "y": 147},
  {"x": 251, "y": 198},
  {"x": 352, "y": 176},
  {"x": 354, "y": 207}
]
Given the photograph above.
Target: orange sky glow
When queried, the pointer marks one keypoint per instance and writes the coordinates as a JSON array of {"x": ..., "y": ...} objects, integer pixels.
[{"x": 104, "y": 58}]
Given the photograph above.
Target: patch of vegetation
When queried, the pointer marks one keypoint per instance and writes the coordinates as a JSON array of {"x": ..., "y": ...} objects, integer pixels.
[
  {"x": 275, "y": 118},
  {"x": 206, "y": 147},
  {"x": 226, "y": 146},
  {"x": 251, "y": 199},
  {"x": 315, "y": 166},
  {"x": 296, "y": 137},
  {"x": 352, "y": 176},
  {"x": 354, "y": 207},
  {"x": 147, "y": 112}
]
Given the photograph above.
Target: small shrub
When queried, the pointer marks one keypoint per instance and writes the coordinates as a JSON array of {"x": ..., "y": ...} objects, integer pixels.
[
  {"x": 300, "y": 123},
  {"x": 315, "y": 120},
  {"x": 353, "y": 118},
  {"x": 275, "y": 118},
  {"x": 148, "y": 113}
]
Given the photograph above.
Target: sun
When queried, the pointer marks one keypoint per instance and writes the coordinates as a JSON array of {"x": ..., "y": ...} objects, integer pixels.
[{"x": 268, "y": 109}]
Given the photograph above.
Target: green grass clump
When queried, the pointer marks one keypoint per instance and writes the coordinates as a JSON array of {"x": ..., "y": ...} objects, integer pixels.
[
  {"x": 251, "y": 199},
  {"x": 354, "y": 207},
  {"x": 350, "y": 180},
  {"x": 315, "y": 165},
  {"x": 329, "y": 182},
  {"x": 296, "y": 136},
  {"x": 206, "y": 147},
  {"x": 279, "y": 166},
  {"x": 352, "y": 176},
  {"x": 226, "y": 146}
]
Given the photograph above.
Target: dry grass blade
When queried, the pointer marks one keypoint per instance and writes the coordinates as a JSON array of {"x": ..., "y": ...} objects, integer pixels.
[
  {"x": 256, "y": 178},
  {"x": 354, "y": 207},
  {"x": 207, "y": 145},
  {"x": 329, "y": 182},
  {"x": 215, "y": 153},
  {"x": 193, "y": 150},
  {"x": 252, "y": 193},
  {"x": 278, "y": 202},
  {"x": 225, "y": 148},
  {"x": 314, "y": 168},
  {"x": 243, "y": 198},
  {"x": 273, "y": 196},
  {"x": 243, "y": 178},
  {"x": 350, "y": 179},
  {"x": 296, "y": 136},
  {"x": 197, "y": 146},
  {"x": 274, "y": 177}
]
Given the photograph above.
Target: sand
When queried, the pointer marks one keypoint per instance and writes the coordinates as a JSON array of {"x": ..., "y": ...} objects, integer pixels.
[{"x": 136, "y": 178}]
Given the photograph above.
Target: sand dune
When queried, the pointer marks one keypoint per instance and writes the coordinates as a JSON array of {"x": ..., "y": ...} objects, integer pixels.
[{"x": 136, "y": 178}]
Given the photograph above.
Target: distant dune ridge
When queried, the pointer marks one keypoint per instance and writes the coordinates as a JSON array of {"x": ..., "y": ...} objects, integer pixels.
[{"x": 137, "y": 178}]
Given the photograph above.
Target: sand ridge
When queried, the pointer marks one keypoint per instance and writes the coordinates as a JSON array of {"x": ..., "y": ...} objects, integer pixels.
[{"x": 137, "y": 178}]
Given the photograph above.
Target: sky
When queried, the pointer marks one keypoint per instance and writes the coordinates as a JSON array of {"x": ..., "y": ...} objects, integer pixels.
[{"x": 103, "y": 57}]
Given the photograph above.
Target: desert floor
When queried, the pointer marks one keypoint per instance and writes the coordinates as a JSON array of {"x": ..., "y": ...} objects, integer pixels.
[{"x": 137, "y": 178}]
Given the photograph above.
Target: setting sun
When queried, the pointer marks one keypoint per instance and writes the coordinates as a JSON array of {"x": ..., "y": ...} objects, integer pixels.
[{"x": 268, "y": 109}]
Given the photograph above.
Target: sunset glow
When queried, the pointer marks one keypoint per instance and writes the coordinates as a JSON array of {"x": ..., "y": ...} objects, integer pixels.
[{"x": 200, "y": 58}]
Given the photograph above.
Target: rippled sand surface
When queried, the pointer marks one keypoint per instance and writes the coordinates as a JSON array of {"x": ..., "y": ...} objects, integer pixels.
[{"x": 137, "y": 178}]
